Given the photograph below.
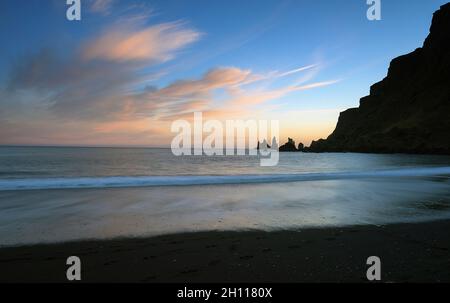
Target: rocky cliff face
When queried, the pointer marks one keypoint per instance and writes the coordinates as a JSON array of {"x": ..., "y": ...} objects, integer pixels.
[{"x": 408, "y": 111}]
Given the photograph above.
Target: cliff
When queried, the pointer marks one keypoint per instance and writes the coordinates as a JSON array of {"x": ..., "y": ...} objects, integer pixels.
[{"x": 409, "y": 110}]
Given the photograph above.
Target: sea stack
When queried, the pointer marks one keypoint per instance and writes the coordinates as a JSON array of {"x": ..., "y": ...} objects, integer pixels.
[{"x": 289, "y": 146}]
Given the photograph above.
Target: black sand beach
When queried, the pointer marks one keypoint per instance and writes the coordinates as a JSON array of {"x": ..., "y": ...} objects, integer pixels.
[{"x": 409, "y": 253}]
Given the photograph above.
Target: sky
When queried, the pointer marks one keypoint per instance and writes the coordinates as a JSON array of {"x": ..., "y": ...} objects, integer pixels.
[{"x": 122, "y": 74}]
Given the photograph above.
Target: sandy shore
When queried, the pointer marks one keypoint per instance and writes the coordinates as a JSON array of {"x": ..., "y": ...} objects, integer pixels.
[{"x": 409, "y": 253}]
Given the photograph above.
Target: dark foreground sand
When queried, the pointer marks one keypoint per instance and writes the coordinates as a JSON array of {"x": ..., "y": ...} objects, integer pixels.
[{"x": 409, "y": 253}]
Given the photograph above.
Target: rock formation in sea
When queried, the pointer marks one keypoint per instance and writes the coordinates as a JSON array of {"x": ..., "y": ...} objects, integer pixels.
[
  {"x": 408, "y": 111},
  {"x": 289, "y": 146},
  {"x": 263, "y": 145}
]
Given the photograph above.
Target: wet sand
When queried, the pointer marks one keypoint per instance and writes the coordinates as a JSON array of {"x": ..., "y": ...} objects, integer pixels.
[{"x": 416, "y": 252}]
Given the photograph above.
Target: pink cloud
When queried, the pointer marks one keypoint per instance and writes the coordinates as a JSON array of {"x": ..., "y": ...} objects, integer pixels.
[{"x": 157, "y": 43}]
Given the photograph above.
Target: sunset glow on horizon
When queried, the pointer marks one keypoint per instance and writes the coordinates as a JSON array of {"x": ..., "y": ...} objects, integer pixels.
[{"x": 128, "y": 69}]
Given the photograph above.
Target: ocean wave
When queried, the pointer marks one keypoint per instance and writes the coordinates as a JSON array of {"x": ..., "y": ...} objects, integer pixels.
[{"x": 150, "y": 181}]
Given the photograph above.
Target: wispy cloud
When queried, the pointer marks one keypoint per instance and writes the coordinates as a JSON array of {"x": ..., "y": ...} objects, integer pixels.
[
  {"x": 101, "y": 6},
  {"x": 93, "y": 82},
  {"x": 103, "y": 93},
  {"x": 181, "y": 97},
  {"x": 295, "y": 71},
  {"x": 154, "y": 44}
]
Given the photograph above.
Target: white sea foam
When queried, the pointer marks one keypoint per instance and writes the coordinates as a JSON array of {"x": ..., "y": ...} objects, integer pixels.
[{"x": 149, "y": 181}]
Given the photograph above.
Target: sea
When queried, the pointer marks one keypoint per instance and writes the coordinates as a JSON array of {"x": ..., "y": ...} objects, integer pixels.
[{"x": 59, "y": 194}]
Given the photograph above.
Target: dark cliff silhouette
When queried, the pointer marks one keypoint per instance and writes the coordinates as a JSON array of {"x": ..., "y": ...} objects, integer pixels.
[{"x": 408, "y": 111}]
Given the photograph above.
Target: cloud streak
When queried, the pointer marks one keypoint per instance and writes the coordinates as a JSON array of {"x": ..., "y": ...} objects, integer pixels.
[
  {"x": 103, "y": 7},
  {"x": 102, "y": 93},
  {"x": 244, "y": 93},
  {"x": 154, "y": 44}
]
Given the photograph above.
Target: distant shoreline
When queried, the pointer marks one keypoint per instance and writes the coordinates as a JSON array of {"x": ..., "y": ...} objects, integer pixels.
[
  {"x": 78, "y": 146},
  {"x": 284, "y": 152},
  {"x": 413, "y": 252}
]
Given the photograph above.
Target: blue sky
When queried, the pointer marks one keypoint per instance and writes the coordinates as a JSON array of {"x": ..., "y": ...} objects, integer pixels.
[{"x": 111, "y": 78}]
